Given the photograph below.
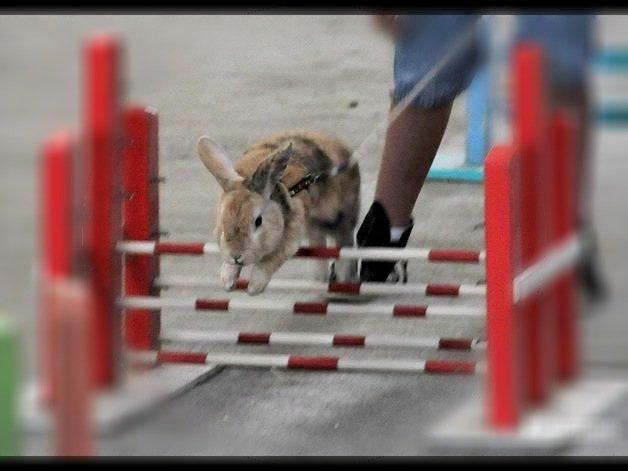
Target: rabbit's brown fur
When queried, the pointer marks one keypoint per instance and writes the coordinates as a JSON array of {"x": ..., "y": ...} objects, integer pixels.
[{"x": 257, "y": 187}]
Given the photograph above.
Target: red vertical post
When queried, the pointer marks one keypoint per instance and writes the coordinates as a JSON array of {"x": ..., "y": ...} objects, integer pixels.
[
  {"x": 530, "y": 128},
  {"x": 564, "y": 135},
  {"x": 55, "y": 244},
  {"x": 141, "y": 221},
  {"x": 70, "y": 303},
  {"x": 503, "y": 323},
  {"x": 103, "y": 146}
]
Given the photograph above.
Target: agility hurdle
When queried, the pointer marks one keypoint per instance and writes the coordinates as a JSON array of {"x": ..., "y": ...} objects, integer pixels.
[
  {"x": 513, "y": 230},
  {"x": 529, "y": 226},
  {"x": 514, "y": 282},
  {"x": 82, "y": 218}
]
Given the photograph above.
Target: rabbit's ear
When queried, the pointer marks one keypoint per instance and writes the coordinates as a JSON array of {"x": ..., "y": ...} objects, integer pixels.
[
  {"x": 215, "y": 158},
  {"x": 270, "y": 171}
]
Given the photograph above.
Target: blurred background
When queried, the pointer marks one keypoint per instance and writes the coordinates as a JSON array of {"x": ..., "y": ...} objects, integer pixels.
[{"x": 239, "y": 78}]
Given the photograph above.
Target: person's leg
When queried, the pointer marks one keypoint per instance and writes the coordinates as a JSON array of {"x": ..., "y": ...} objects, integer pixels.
[
  {"x": 411, "y": 144},
  {"x": 569, "y": 43},
  {"x": 591, "y": 272},
  {"x": 413, "y": 138}
]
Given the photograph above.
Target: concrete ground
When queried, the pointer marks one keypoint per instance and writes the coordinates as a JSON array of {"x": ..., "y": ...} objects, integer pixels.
[{"x": 239, "y": 78}]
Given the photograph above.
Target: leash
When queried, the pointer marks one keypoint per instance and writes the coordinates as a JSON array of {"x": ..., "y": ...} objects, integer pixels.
[{"x": 461, "y": 41}]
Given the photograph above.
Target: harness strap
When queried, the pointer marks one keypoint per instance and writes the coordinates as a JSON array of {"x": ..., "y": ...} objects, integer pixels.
[
  {"x": 310, "y": 178},
  {"x": 304, "y": 183}
]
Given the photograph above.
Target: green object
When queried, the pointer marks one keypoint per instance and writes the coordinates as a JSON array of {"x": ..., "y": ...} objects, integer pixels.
[{"x": 9, "y": 439}]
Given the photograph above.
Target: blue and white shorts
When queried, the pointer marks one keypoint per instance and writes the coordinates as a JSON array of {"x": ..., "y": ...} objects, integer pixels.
[
  {"x": 567, "y": 40},
  {"x": 424, "y": 42}
]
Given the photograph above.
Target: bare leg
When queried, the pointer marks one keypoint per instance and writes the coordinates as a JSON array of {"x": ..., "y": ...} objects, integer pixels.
[
  {"x": 411, "y": 144},
  {"x": 578, "y": 101}
]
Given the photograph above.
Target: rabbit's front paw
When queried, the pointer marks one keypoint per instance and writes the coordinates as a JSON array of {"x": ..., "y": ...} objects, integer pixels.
[
  {"x": 228, "y": 275},
  {"x": 258, "y": 281}
]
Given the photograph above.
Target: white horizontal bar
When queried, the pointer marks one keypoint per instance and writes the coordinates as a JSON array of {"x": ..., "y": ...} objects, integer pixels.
[
  {"x": 383, "y": 254},
  {"x": 297, "y": 338},
  {"x": 199, "y": 336},
  {"x": 369, "y": 309},
  {"x": 136, "y": 247},
  {"x": 416, "y": 366},
  {"x": 465, "y": 311},
  {"x": 156, "y": 303},
  {"x": 260, "y": 305},
  {"x": 383, "y": 340},
  {"x": 472, "y": 290},
  {"x": 547, "y": 268},
  {"x": 211, "y": 248},
  {"x": 242, "y": 359}
]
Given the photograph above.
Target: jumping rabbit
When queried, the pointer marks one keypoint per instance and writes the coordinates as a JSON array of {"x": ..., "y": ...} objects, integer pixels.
[{"x": 283, "y": 187}]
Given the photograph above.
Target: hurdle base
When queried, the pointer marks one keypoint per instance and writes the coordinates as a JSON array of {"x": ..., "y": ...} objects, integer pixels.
[
  {"x": 573, "y": 412},
  {"x": 453, "y": 168},
  {"x": 115, "y": 409}
]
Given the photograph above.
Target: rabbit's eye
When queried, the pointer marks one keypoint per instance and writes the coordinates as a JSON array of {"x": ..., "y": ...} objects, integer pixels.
[{"x": 258, "y": 221}]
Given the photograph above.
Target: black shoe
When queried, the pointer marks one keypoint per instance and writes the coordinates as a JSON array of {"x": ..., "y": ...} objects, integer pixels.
[
  {"x": 590, "y": 273},
  {"x": 375, "y": 232}
]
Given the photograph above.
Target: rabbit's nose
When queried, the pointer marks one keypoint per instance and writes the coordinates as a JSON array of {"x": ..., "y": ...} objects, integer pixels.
[{"x": 237, "y": 258}]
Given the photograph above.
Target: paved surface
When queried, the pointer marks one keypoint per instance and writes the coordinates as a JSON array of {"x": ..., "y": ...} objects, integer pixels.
[{"x": 238, "y": 78}]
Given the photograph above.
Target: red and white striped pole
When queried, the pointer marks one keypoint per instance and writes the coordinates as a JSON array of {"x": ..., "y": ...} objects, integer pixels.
[
  {"x": 344, "y": 288},
  {"x": 141, "y": 221},
  {"x": 347, "y": 253},
  {"x": 303, "y": 308},
  {"x": 564, "y": 134},
  {"x": 56, "y": 243},
  {"x": 103, "y": 146},
  {"x": 530, "y": 132},
  {"x": 322, "y": 339},
  {"x": 326, "y": 363},
  {"x": 504, "y": 321}
]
